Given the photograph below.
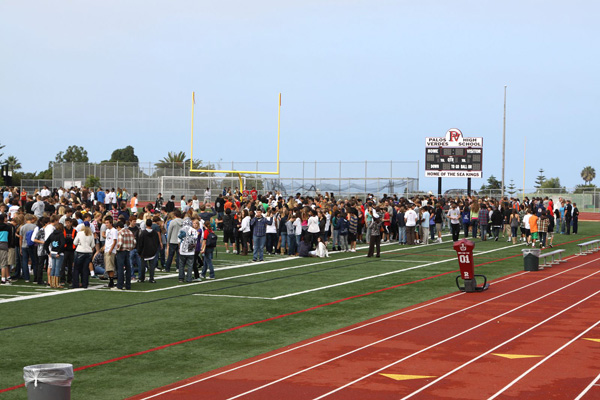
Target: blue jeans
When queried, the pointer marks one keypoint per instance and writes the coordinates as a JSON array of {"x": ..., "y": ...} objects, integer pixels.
[
  {"x": 208, "y": 263},
  {"x": 336, "y": 238},
  {"x": 484, "y": 231},
  {"x": 151, "y": 265},
  {"x": 81, "y": 269},
  {"x": 123, "y": 270},
  {"x": 432, "y": 232},
  {"x": 284, "y": 241},
  {"x": 259, "y": 246},
  {"x": 186, "y": 261},
  {"x": 291, "y": 244},
  {"x": 474, "y": 225},
  {"x": 29, "y": 253},
  {"x": 402, "y": 234},
  {"x": 57, "y": 260},
  {"x": 173, "y": 252},
  {"x": 135, "y": 261}
]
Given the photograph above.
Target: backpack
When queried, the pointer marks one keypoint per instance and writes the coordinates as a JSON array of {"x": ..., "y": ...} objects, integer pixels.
[
  {"x": 29, "y": 239},
  {"x": 211, "y": 240},
  {"x": 41, "y": 235}
]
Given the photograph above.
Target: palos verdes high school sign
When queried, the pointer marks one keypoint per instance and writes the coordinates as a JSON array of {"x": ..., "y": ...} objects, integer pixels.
[{"x": 453, "y": 156}]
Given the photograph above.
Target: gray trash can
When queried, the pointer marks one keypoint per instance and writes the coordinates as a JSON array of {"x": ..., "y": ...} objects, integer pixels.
[
  {"x": 48, "y": 381},
  {"x": 531, "y": 259}
]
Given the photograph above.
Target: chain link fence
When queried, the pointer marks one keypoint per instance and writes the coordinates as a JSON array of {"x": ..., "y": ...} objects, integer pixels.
[{"x": 341, "y": 177}]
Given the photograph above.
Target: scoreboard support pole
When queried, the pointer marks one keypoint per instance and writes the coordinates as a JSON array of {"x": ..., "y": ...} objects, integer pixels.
[
  {"x": 440, "y": 186},
  {"x": 469, "y": 187}
]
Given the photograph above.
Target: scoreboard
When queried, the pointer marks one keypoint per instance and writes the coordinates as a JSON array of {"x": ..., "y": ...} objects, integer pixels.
[{"x": 454, "y": 156}]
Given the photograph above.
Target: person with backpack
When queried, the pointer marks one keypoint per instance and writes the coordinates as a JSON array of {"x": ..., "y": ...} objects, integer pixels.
[
  {"x": 39, "y": 237},
  {"x": 227, "y": 224},
  {"x": 208, "y": 246},
  {"x": 54, "y": 246},
  {"x": 67, "y": 267},
  {"x": 188, "y": 238},
  {"x": 148, "y": 249}
]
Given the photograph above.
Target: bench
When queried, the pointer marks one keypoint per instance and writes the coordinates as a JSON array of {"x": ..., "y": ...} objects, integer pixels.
[
  {"x": 590, "y": 247},
  {"x": 552, "y": 254}
]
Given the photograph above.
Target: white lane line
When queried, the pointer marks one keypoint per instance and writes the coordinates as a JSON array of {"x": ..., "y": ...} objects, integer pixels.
[
  {"x": 28, "y": 292},
  {"x": 405, "y": 311},
  {"x": 308, "y": 344},
  {"x": 495, "y": 318},
  {"x": 587, "y": 389},
  {"x": 10, "y": 295},
  {"x": 499, "y": 392},
  {"x": 229, "y": 295},
  {"x": 376, "y": 276},
  {"x": 507, "y": 341},
  {"x": 410, "y": 330}
]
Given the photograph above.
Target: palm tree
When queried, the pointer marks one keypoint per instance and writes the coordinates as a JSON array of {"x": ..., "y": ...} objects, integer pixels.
[
  {"x": 173, "y": 160},
  {"x": 13, "y": 163},
  {"x": 588, "y": 174}
]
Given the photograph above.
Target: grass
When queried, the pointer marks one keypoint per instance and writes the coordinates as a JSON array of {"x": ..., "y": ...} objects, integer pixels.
[{"x": 87, "y": 327}]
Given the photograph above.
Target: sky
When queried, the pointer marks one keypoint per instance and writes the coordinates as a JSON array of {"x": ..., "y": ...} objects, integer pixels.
[{"x": 360, "y": 80}]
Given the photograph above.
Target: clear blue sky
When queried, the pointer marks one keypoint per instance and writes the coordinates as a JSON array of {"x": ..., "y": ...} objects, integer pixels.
[{"x": 361, "y": 80}]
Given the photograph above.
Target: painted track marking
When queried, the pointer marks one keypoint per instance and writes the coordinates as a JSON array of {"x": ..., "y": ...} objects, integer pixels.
[
  {"x": 495, "y": 318},
  {"x": 368, "y": 324},
  {"x": 517, "y": 379}
]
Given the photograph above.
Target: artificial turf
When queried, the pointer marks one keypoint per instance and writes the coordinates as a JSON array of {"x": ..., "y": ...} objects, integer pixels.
[{"x": 91, "y": 326}]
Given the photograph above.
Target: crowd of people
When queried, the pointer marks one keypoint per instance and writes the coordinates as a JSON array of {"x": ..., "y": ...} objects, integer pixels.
[{"x": 77, "y": 234}]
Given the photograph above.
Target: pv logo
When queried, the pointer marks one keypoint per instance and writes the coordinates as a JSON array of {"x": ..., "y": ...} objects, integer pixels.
[
  {"x": 463, "y": 247},
  {"x": 454, "y": 135}
]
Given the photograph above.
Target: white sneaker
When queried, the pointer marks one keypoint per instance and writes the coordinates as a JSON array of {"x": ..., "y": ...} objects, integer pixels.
[
  {"x": 227, "y": 251},
  {"x": 353, "y": 250},
  {"x": 234, "y": 251}
]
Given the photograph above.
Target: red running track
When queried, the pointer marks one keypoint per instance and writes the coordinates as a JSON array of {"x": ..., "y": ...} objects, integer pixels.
[{"x": 456, "y": 345}]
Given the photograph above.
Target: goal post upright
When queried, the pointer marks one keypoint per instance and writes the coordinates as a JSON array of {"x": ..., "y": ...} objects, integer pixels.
[{"x": 230, "y": 171}]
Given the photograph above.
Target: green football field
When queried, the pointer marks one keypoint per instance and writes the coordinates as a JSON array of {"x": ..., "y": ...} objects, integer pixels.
[{"x": 122, "y": 343}]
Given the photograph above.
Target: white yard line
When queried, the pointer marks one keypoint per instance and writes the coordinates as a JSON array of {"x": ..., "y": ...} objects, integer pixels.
[
  {"x": 40, "y": 295},
  {"x": 377, "y": 276},
  {"x": 229, "y": 295}
]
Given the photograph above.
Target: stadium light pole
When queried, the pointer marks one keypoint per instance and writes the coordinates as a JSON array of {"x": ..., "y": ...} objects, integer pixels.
[{"x": 503, "y": 144}]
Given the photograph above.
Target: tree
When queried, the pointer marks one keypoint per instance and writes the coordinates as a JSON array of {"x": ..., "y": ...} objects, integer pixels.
[
  {"x": 13, "y": 163},
  {"x": 126, "y": 154},
  {"x": 92, "y": 181},
  {"x": 551, "y": 183},
  {"x": 493, "y": 184},
  {"x": 585, "y": 188},
  {"x": 1, "y": 147},
  {"x": 172, "y": 160},
  {"x": 72, "y": 154},
  {"x": 512, "y": 189},
  {"x": 539, "y": 181},
  {"x": 588, "y": 174}
]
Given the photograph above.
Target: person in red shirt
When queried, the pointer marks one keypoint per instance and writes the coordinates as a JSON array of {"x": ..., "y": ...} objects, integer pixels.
[
  {"x": 254, "y": 193},
  {"x": 386, "y": 227}
]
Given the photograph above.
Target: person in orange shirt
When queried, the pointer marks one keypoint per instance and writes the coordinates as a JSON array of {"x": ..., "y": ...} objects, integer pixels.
[
  {"x": 533, "y": 228},
  {"x": 228, "y": 204}
]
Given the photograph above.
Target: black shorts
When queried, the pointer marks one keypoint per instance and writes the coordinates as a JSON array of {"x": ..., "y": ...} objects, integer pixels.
[
  {"x": 228, "y": 237},
  {"x": 351, "y": 237}
]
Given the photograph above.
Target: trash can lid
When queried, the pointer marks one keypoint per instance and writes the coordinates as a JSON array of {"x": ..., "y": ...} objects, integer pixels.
[{"x": 59, "y": 374}]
